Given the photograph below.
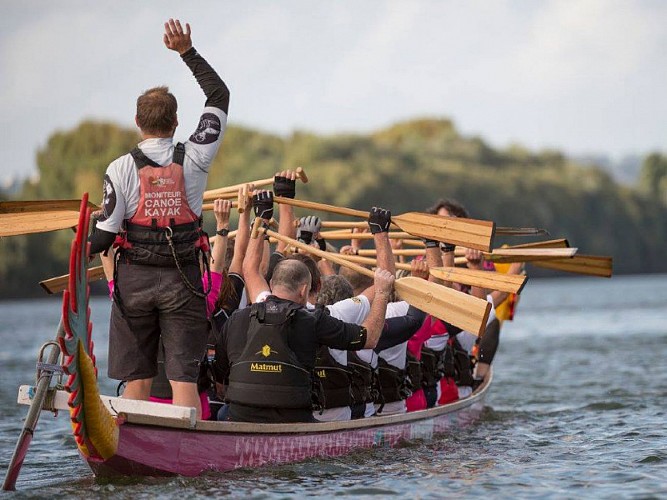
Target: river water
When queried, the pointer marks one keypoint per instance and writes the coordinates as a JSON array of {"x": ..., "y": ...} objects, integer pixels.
[{"x": 578, "y": 409}]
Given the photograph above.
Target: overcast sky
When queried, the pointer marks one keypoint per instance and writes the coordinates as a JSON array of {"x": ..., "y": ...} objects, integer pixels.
[{"x": 580, "y": 75}]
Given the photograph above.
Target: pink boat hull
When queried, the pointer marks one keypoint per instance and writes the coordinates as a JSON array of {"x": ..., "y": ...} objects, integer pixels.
[{"x": 159, "y": 451}]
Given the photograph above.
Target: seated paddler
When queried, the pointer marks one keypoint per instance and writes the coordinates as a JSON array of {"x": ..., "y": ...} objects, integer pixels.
[{"x": 266, "y": 353}]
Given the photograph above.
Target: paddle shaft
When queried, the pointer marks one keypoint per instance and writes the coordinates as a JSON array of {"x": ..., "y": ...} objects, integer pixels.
[
  {"x": 212, "y": 194},
  {"x": 509, "y": 231},
  {"x": 32, "y": 418}
]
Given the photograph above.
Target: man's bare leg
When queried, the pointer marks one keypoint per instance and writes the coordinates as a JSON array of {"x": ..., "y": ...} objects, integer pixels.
[
  {"x": 138, "y": 389},
  {"x": 185, "y": 394}
]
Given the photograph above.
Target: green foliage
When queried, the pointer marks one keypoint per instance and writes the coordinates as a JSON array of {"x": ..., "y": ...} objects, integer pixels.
[
  {"x": 405, "y": 167},
  {"x": 653, "y": 177}
]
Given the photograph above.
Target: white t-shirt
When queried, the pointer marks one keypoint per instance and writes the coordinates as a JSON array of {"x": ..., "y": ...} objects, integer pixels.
[
  {"x": 121, "y": 182},
  {"x": 352, "y": 310}
]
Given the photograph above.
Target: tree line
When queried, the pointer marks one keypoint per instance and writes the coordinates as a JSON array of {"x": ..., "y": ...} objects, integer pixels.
[{"x": 404, "y": 167}]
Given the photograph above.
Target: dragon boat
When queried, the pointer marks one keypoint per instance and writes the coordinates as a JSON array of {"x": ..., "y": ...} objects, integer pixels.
[{"x": 122, "y": 437}]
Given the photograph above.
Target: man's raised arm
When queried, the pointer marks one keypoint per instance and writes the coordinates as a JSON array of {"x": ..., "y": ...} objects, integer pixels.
[{"x": 179, "y": 40}]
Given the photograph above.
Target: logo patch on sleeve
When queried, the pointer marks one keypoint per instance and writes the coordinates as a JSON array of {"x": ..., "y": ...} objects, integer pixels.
[
  {"x": 109, "y": 199},
  {"x": 208, "y": 129}
]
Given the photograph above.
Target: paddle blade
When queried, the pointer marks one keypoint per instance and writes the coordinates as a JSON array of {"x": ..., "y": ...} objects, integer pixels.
[
  {"x": 589, "y": 265},
  {"x": 511, "y": 283},
  {"x": 60, "y": 283},
  {"x": 14, "y": 224},
  {"x": 469, "y": 233},
  {"x": 507, "y": 255},
  {"x": 457, "y": 308},
  {"x": 559, "y": 243},
  {"x": 38, "y": 216}
]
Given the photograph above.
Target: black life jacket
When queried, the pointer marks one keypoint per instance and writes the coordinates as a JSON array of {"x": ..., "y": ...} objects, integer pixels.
[
  {"x": 461, "y": 362},
  {"x": 432, "y": 367},
  {"x": 164, "y": 231},
  {"x": 365, "y": 382},
  {"x": 393, "y": 383},
  {"x": 267, "y": 373},
  {"x": 335, "y": 379},
  {"x": 414, "y": 369}
]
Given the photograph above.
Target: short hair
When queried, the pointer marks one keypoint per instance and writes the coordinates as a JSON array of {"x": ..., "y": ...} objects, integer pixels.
[
  {"x": 156, "y": 111},
  {"x": 290, "y": 274},
  {"x": 315, "y": 274},
  {"x": 334, "y": 289},
  {"x": 453, "y": 207},
  {"x": 358, "y": 281}
]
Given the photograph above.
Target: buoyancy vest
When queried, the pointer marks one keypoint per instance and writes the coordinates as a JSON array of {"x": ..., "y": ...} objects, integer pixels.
[
  {"x": 335, "y": 380},
  {"x": 460, "y": 359},
  {"x": 365, "y": 382},
  {"x": 393, "y": 383},
  {"x": 164, "y": 231},
  {"x": 267, "y": 373},
  {"x": 414, "y": 369},
  {"x": 431, "y": 366}
]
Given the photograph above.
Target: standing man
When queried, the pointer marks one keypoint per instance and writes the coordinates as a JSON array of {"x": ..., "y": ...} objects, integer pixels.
[{"x": 153, "y": 198}]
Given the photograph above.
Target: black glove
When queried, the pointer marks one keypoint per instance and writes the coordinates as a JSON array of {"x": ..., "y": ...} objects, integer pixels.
[
  {"x": 322, "y": 243},
  {"x": 431, "y": 243},
  {"x": 308, "y": 227},
  {"x": 262, "y": 201},
  {"x": 284, "y": 187},
  {"x": 447, "y": 247},
  {"x": 379, "y": 220}
]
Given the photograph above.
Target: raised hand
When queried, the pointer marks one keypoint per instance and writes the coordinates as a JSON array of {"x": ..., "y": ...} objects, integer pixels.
[
  {"x": 379, "y": 220},
  {"x": 419, "y": 269},
  {"x": 348, "y": 250},
  {"x": 384, "y": 282},
  {"x": 245, "y": 201},
  {"x": 284, "y": 184},
  {"x": 262, "y": 201},
  {"x": 309, "y": 228},
  {"x": 221, "y": 210},
  {"x": 475, "y": 258},
  {"x": 175, "y": 38}
]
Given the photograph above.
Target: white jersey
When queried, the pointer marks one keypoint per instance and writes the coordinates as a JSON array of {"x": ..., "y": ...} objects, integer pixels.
[
  {"x": 395, "y": 356},
  {"x": 467, "y": 339},
  {"x": 121, "y": 182},
  {"x": 352, "y": 310}
]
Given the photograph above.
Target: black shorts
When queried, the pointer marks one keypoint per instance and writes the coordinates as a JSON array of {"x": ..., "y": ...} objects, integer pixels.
[{"x": 156, "y": 302}]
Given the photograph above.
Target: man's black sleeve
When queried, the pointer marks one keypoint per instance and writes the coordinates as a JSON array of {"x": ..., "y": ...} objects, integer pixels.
[
  {"x": 100, "y": 240},
  {"x": 217, "y": 93},
  {"x": 400, "y": 329},
  {"x": 337, "y": 334},
  {"x": 274, "y": 259}
]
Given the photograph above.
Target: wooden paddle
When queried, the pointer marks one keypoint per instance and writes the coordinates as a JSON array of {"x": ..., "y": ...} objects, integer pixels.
[
  {"x": 511, "y": 283},
  {"x": 509, "y": 231},
  {"x": 559, "y": 243},
  {"x": 470, "y": 233},
  {"x": 590, "y": 265},
  {"x": 231, "y": 191},
  {"x": 406, "y": 252},
  {"x": 490, "y": 280},
  {"x": 38, "y": 216},
  {"x": 505, "y": 254},
  {"x": 508, "y": 255},
  {"x": 60, "y": 283},
  {"x": 459, "y": 309}
]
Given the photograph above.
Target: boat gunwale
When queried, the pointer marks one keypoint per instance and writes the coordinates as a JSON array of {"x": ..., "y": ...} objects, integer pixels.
[{"x": 222, "y": 427}]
